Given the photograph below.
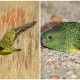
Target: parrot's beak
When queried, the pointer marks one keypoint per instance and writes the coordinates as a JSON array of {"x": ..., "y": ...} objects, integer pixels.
[{"x": 43, "y": 42}]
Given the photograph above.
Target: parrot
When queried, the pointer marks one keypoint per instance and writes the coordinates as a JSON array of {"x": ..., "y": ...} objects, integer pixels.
[
  {"x": 7, "y": 41},
  {"x": 64, "y": 37}
]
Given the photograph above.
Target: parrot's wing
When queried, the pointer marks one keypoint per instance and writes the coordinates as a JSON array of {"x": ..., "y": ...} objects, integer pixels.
[{"x": 8, "y": 39}]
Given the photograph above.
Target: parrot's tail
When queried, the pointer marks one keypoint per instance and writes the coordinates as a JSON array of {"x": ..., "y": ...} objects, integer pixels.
[{"x": 24, "y": 27}]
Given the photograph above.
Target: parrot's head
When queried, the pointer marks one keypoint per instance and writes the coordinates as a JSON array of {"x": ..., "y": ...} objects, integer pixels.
[{"x": 52, "y": 39}]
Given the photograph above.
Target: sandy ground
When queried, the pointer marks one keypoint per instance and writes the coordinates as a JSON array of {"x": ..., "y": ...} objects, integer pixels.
[{"x": 56, "y": 64}]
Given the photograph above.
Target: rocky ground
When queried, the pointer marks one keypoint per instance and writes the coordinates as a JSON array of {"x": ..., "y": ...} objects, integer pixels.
[{"x": 54, "y": 64}]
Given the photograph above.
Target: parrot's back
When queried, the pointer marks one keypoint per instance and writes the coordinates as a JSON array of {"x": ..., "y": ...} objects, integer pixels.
[
  {"x": 71, "y": 35},
  {"x": 9, "y": 37}
]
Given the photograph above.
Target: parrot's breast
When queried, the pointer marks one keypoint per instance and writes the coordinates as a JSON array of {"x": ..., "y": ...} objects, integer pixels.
[{"x": 73, "y": 50}]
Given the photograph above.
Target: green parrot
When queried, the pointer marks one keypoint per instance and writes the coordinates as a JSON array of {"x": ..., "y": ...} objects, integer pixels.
[
  {"x": 7, "y": 41},
  {"x": 64, "y": 37}
]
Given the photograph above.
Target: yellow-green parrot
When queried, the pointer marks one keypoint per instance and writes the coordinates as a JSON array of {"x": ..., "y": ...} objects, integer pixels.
[{"x": 7, "y": 41}]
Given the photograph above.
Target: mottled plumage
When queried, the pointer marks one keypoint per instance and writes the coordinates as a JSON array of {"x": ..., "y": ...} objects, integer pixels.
[
  {"x": 6, "y": 43},
  {"x": 65, "y": 37}
]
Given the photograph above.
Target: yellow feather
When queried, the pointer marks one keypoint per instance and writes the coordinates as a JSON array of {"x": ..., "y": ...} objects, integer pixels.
[
  {"x": 7, "y": 51},
  {"x": 74, "y": 50}
]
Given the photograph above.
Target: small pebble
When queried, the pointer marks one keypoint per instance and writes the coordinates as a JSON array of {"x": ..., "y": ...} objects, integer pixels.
[
  {"x": 78, "y": 61},
  {"x": 64, "y": 63},
  {"x": 70, "y": 72},
  {"x": 49, "y": 60},
  {"x": 50, "y": 54},
  {"x": 73, "y": 76}
]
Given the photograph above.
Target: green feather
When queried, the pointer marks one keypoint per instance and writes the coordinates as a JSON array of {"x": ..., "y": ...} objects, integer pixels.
[
  {"x": 65, "y": 37},
  {"x": 9, "y": 37}
]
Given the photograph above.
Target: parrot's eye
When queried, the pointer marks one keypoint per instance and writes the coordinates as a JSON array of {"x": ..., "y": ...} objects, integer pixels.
[{"x": 50, "y": 37}]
